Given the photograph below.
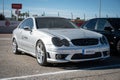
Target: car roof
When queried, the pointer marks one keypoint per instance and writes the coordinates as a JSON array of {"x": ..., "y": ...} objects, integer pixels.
[
  {"x": 107, "y": 18},
  {"x": 47, "y": 17}
]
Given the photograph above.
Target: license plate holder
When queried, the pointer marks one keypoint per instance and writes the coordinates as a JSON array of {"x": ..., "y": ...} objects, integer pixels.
[{"x": 88, "y": 51}]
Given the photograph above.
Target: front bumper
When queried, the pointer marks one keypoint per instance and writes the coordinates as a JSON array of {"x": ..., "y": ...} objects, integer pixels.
[{"x": 77, "y": 54}]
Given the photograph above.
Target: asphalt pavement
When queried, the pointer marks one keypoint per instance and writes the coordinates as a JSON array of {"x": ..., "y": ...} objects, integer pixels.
[{"x": 25, "y": 67}]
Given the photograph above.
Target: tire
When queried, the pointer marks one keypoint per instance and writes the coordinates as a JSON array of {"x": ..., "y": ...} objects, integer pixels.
[
  {"x": 41, "y": 53},
  {"x": 118, "y": 46},
  {"x": 15, "y": 47}
]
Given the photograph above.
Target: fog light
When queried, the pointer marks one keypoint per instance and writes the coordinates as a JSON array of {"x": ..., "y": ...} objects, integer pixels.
[
  {"x": 61, "y": 56},
  {"x": 105, "y": 53},
  {"x": 58, "y": 56}
]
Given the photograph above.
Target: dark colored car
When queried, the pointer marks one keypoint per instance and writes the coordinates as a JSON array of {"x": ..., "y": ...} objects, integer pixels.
[{"x": 110, "y": 27}]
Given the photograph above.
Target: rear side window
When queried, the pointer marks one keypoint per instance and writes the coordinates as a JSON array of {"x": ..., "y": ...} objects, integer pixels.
[
  {"x": 102, "y": 23},
  {"x": 90, "y": 25}
]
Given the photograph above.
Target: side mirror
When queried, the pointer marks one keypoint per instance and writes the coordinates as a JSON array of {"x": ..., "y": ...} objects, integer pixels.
[
  {"x": 27, "y": 28},
  {"x": 108, "y": 28}
]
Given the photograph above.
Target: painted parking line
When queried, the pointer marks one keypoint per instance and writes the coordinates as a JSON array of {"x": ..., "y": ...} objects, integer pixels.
[
  {"x": 5, "y": 38},
  {"x": 60, "y": 72}
]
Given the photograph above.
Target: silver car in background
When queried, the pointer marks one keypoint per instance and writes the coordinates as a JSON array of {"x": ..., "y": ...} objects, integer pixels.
[{"x": 58, "y": 40}]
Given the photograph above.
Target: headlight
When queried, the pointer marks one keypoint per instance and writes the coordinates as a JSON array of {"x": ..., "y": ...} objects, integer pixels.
[
  {"x": 58, "y": 42},
  {"x": 65, "y": 42},
  {"x": 103, "y": 40}
]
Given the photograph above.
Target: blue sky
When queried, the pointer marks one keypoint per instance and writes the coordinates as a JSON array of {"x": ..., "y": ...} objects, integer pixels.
[{"x": 79, "y": 8}]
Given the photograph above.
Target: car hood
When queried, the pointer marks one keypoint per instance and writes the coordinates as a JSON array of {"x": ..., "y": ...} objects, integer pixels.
[{"x": 72, "y": 33}]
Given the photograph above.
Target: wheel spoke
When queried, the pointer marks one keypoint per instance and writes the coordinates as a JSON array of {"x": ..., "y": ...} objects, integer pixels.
[
  {"x": 40, "y": 53},
  {"x": 14, "y": 46},
  {"x": 42, "y": 58},
  {"x": 118, "y": 46}
]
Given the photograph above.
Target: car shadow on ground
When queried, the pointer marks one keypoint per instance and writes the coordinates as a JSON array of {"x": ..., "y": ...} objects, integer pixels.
[
  {"x": 110, "y": 63},
  {"x": 92, "y": 65}
]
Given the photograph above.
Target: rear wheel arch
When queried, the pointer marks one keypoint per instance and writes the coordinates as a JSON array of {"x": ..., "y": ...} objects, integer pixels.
[{"x": 15, "y": 46}]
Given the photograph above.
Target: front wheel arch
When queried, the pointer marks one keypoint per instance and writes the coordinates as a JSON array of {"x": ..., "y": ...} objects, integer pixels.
[{"x": 41, "y": 53}]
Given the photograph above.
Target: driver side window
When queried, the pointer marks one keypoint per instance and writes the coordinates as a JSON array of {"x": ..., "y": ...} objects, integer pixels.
[{"x": 28, "y": 22}]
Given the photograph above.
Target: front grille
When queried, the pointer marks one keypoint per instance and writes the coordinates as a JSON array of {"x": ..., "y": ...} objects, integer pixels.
[
  {"x": 85, "y": 42},
  {"x": 81, "y": 56}
]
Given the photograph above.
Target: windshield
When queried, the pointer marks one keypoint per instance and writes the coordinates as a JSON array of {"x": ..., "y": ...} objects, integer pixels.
[
  {"x": 115, "y": 22},
  {"x": 54, "y": 23}
]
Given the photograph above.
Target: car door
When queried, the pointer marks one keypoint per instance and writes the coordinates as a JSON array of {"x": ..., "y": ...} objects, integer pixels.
[
  {"x": 19, "y": 34},
  {"x": 27, "y": 35}
]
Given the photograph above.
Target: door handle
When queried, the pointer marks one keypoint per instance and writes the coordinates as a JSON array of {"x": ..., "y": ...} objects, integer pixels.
[{"x": 24, "y": 37}]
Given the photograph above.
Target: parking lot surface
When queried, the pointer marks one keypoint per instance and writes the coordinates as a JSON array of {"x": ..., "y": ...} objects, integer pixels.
[{"x": 25, "y": 67}]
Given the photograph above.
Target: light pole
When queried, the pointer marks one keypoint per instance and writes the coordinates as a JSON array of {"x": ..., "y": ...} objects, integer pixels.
[
  {"x": 84, "y": 16},
  {"x": 58, "y": 14},
  {"x": 71, "y": 15},
  {"x": 3, "y": 7},
  {"x": 100, "y": 9}
]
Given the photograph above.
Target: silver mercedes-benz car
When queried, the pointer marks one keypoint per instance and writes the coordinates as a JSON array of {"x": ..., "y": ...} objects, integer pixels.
[{"x": 58, "y": 40}]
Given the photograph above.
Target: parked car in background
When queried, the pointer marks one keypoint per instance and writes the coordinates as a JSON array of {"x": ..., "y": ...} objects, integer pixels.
[
  {"x": 58, "y": 40},
  {"x": 110, "y": 27}
]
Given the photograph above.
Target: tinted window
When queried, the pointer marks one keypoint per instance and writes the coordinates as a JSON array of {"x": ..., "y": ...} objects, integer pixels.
[
  {"x": 27, "y": 22},
  {"x": 115, "y": 22},
  {"x": 22, "y": 24},
  {"x": 90, "y": 25},
  {"x": 54, "y": 23},
  {"x": 101, "y": 24}
]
